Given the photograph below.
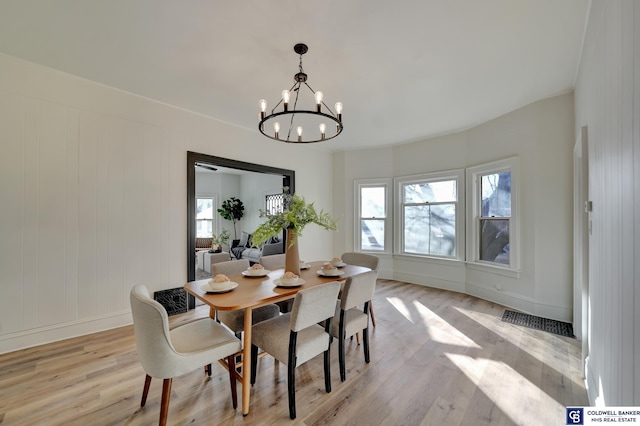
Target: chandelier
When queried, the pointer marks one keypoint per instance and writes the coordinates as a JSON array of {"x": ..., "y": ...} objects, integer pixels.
[{"x": 308, "y": 120}]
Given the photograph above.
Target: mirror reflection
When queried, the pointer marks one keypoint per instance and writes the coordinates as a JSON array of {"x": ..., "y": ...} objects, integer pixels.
[{"x": 224, "y": 199}]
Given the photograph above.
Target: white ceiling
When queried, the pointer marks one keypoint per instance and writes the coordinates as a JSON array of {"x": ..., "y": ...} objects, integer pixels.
[{"x": 404, "y": 70}]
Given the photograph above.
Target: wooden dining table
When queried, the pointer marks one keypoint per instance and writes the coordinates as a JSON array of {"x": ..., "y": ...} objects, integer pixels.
[{"x": 253, "y": 292}]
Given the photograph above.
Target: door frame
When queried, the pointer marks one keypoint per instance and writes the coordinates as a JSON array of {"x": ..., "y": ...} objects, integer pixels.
[{"x": 581, "y": 230}]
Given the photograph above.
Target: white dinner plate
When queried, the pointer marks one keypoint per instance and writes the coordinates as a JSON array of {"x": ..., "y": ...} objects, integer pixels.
[
  {"x": 219, "y": 287},
  {"x": 279, "y": 283},
  {"x": 263, "y": 273},
  {"x": 305, "y": 266},
  {"x": 340, "y": 265},
  {"x": 335, "y": 274}
]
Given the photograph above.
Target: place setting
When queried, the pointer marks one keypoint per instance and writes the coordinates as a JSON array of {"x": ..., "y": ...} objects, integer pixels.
[
  {"x": 330, "y": 270},
  {"x": 256, "y": 271},
  {"x": 304, "y": 265},
  {"x": 289, "y": 279},
  {"x": 219, "y": 284},
  {"x": 337, "y": 262}
]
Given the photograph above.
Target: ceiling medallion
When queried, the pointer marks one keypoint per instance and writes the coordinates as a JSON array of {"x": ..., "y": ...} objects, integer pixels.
[{"x": 313, "y": 122}]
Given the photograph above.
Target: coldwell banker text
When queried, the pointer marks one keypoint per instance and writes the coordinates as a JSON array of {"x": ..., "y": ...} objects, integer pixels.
[{"x": 593, "y": 415}]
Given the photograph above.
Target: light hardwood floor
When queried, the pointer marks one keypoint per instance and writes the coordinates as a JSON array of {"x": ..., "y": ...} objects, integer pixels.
[{"x": 437, "y": 358}]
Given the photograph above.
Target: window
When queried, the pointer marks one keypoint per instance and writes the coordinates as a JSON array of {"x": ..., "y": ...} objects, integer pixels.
[
  {"x": 372, "y": 215},
  {"x": 274, "y": 204},
  {"x": 493, "y": 233},
  {"x": 430, "y": 214},
  {"x": 204, "y": 217}
]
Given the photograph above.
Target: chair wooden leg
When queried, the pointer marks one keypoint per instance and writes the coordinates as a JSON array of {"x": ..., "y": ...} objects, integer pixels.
[
  {"x": 232, "y": 379},
  {"x": 341, "y": 361},
  {"x": 207, "y": 369},
  {"x": 365, "y": 341},
  {"x": 291, "y": 374},
  {"x": 327, "y": 371},
  {"x": 254, "y": 363},
  {"x": 357, "y": 338},
  {"x": 145, "y": 390},
  {"x": 327, "y": 358},
  {"x": 164, "y": 405},
  {"x": 291, "y": 387},
  {"x": 373, "y": 317}
]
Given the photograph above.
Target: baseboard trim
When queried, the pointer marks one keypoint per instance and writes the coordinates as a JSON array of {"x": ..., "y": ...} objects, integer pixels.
[
  {"x": 39, "y": 336},
  {"x": 508, "y": 299},
  {"x": 593, "y": 390},
  {"x": 430, "y": 282},
  {"x": 521, "y": 303}
]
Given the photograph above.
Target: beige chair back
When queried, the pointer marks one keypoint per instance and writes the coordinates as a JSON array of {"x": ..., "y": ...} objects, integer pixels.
[
  {"x": 358, "y": 289},
  {"x": 313, "y": 305},
  {"x": 275, "y": 261},
  {"x": 151, "y": 327},
  {"x": 230, "y": 267},
  {"x": 361, "y": 259}
]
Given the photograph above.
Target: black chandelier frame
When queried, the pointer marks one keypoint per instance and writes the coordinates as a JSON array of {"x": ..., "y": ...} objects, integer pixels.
[{"x": 300, "y": 79}]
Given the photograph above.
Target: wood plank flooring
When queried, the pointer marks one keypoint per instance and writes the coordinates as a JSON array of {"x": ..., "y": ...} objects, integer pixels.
[{"x": 437, "y": 358}]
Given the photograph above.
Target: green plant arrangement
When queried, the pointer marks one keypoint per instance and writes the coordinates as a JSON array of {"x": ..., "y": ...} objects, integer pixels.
[
  {"x": 232, "y": 209},
  {"x": 296, "y": 215},
  {"x": 220, "y": 240}
]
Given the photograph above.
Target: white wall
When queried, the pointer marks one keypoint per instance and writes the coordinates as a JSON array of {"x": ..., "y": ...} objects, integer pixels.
[
  {"x": 93, "y": 190},
  {"x": 608, "y": 103},
  {"x": 541, "y": 135}
]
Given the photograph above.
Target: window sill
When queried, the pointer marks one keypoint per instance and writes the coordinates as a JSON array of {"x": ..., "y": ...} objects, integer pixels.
[
  {"x": 498, "y": 270},
  {"x": 429, "y": 259},
  {"x": 457, "y": 263}
]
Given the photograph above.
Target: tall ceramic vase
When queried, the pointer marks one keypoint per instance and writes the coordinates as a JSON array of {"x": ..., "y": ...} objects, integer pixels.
[{"x": 292, "y": 256}]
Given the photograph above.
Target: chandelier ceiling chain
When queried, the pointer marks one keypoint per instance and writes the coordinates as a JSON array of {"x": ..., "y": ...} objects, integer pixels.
[{"x": 301, "y": 118}]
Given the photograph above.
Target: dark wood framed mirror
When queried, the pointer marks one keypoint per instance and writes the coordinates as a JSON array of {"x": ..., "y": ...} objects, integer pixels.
[{"x": 193, "y": 158}]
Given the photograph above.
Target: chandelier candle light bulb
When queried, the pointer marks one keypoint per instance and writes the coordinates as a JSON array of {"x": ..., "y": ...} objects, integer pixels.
[
  {"x": 263, "y": 108},
  {"x": 293, "y": 107}
]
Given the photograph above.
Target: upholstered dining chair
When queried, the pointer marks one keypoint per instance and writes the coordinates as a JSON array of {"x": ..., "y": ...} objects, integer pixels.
[
  {"x": 349, "y": 319},
  {"x": 295, "y": 338},
  {"x": 368, "y": 261},
  {"x": 165, "y": 354},
  {"x": 235, "y": 319},
  {"x": 274, "y": 261}
]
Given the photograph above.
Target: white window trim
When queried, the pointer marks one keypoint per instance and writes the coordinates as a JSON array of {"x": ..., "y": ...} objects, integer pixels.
[
  {"x": 387, "y": 183},
  {"x": 459, "y": 176},
  {"x": 216, "y": 225},
  {"x": 474, "y": 200}
]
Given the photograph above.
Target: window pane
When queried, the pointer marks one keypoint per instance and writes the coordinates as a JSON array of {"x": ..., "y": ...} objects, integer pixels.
[
  {"x": 431, "y": 192},
  {"x": 372, "y": 237},
  {"x": 204, "y": 208},
  {"x": 204, "y": 228},
  {"x": 204, "y": 217},
  {"x": 274, "y": 204},
  {"x": 372, "y": 202},
  {"x": 494, "y": 240},
  {"x": 496, "y": 194},
  {"x": 430, "y": 229}
]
